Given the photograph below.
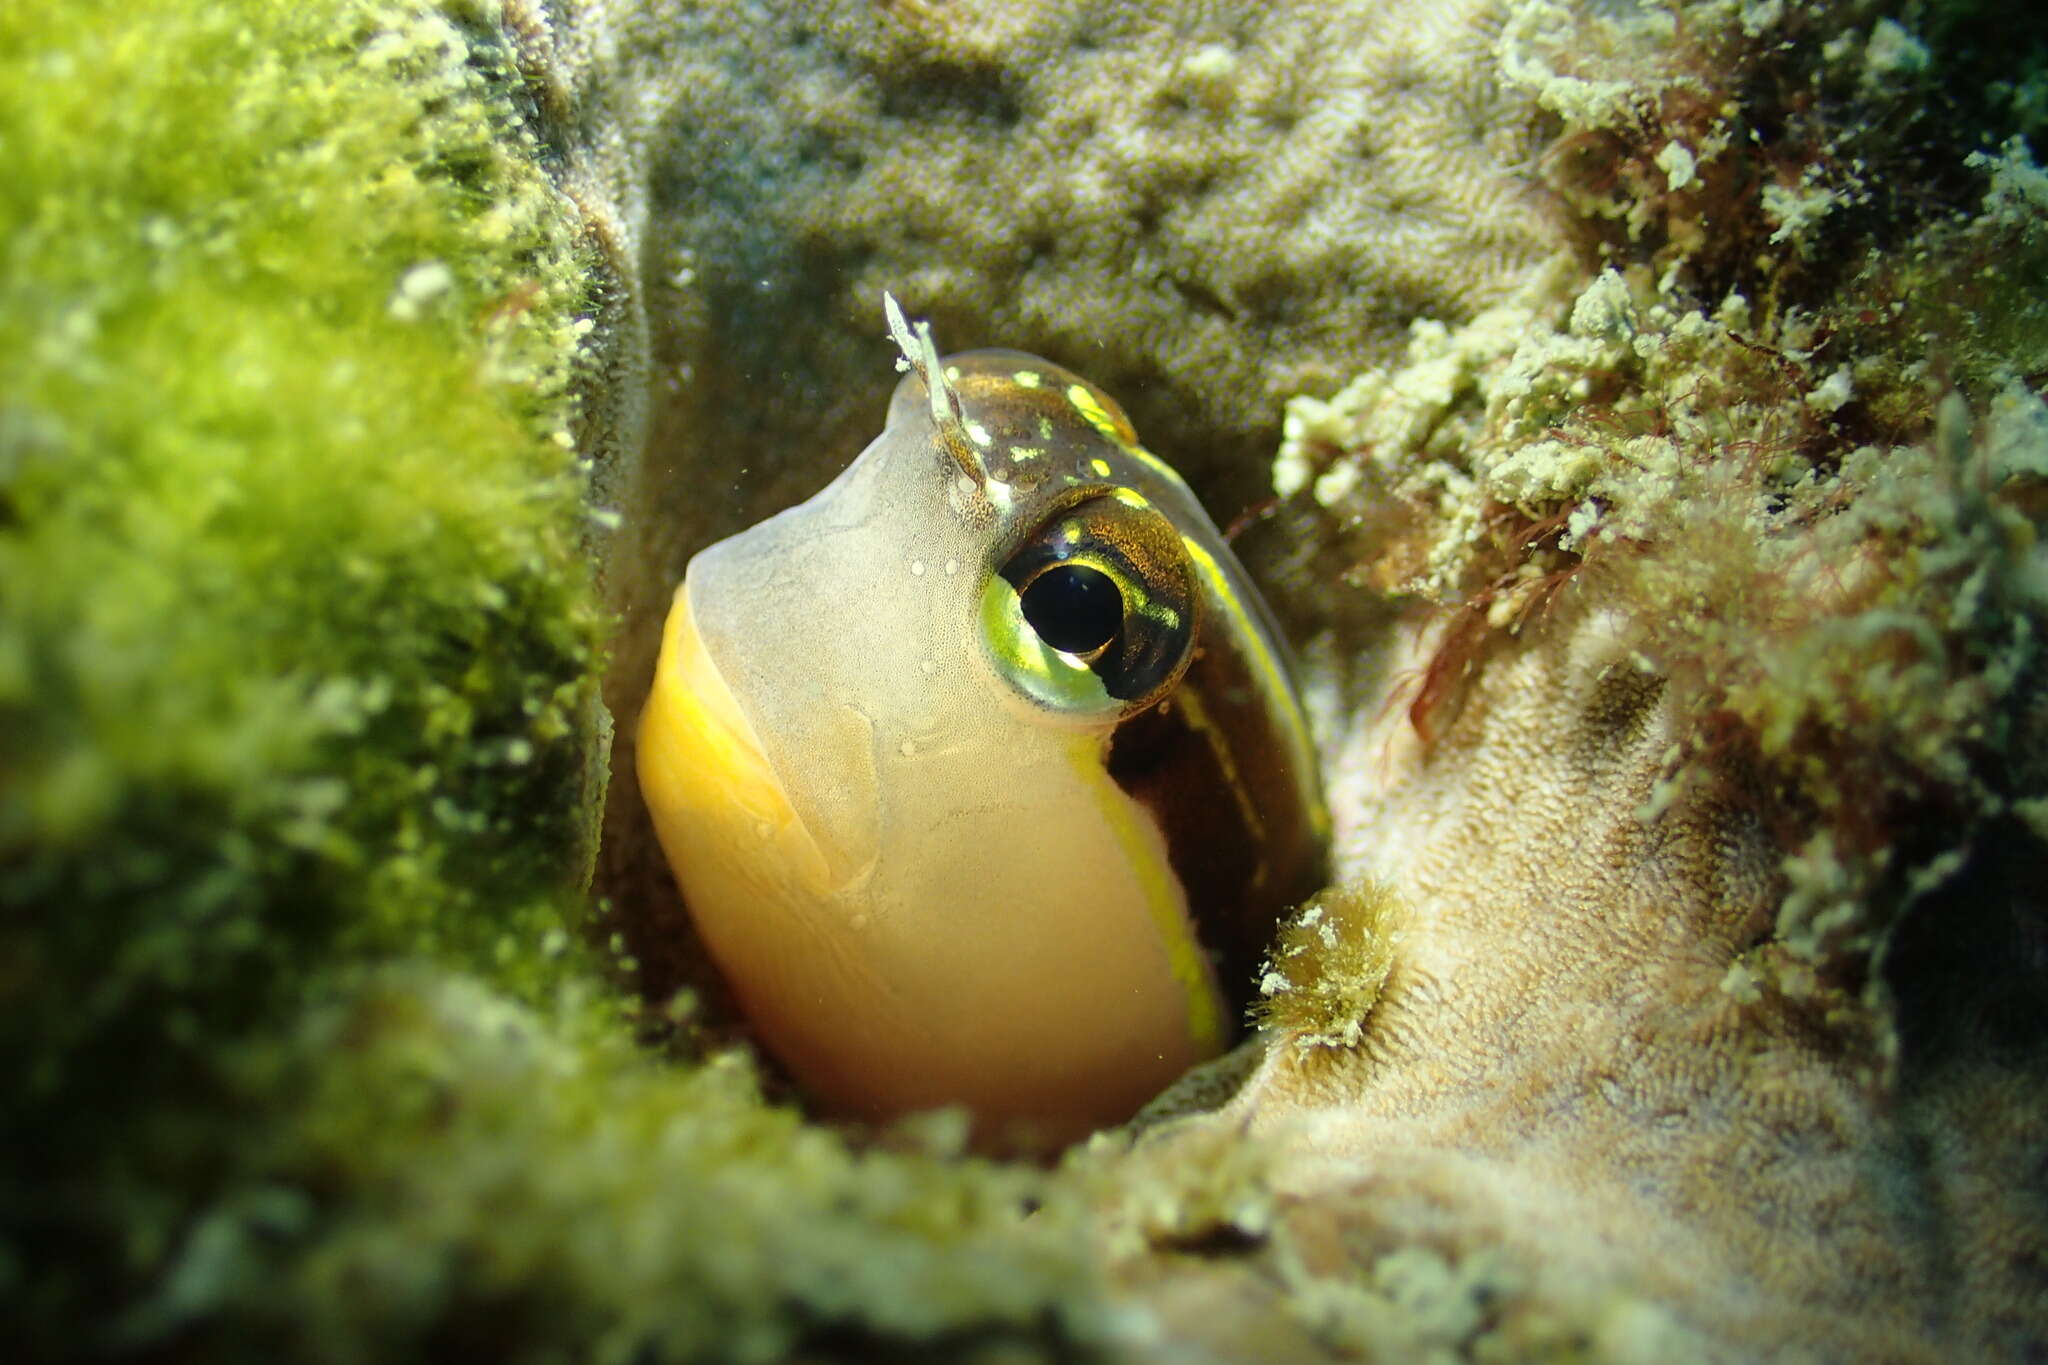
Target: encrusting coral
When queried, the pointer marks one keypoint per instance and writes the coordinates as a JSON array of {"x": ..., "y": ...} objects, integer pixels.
[
  {"x": 1669, "y": 577},
  {"x": 1712, "y": 715},
  {"x": 1204, "y": 206}
]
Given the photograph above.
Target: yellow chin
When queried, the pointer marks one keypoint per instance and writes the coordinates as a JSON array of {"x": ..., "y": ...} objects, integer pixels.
[
  {"x": 1037, "y": 967},
  {"x": 721, "y": 815}
]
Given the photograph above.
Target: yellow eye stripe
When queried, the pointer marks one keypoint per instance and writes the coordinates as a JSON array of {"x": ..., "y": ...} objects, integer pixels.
[
  {"x": 1163, "y": 899},
  {"x": 1268, "y": 672},
  {"x": 1137, "y": 601},
  {"x": 1189, "y": 700},
  {"x": 1159, "y": 467}
]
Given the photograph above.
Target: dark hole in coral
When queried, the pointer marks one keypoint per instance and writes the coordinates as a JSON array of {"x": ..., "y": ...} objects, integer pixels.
[
  {"x": 1198, "y": 293},
  {"x": 1968, "y": 963},
  {"x": 1218, "y": 1242},
  {"x": 920, "y": 92},
  {"x": 832, "y": 1343}
]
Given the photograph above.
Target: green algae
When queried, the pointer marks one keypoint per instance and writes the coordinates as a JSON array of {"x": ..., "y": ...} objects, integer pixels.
[
  {"x": 529, "y": 1185},
  {"x": 296, "y": 637},
  {"x": 299, "y": 752}
]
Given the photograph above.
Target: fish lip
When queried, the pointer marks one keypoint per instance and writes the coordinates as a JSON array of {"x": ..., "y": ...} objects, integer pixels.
[
  {"x": 757, "y": 602},
  {"x": 720, "y": 722}
]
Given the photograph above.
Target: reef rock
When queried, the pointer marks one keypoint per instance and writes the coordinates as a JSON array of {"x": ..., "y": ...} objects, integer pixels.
[{"x": 1661, "y": 490}]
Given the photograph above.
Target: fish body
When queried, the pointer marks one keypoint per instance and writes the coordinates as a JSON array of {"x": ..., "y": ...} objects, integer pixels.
[{"x": 981, "y": 771}]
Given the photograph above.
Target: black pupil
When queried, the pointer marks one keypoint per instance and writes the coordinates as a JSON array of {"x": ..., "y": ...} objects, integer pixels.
[{"x": 1074, "y": 608}]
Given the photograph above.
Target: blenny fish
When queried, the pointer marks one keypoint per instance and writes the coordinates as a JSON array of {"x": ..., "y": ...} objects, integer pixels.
[{"x": 981, "y": 772}]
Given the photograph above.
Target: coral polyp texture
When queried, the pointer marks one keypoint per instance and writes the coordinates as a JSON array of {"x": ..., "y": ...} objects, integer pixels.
[
  {"x": 1207, "y": 207},
  {"x": 1654, "y": 398},
  {"x": 1703, "y": 767}
]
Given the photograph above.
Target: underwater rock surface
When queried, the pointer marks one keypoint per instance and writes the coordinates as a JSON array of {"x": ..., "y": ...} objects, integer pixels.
[{"x": 1661, "y": 525}]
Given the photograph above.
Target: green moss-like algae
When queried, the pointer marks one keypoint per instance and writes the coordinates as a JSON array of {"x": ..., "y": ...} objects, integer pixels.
[
  {"x": 283, "y": 544},
  {"x": 527, "y": 1186},
  {"x": 295, "y": 635},
  {"x": 297, "y": 668}
]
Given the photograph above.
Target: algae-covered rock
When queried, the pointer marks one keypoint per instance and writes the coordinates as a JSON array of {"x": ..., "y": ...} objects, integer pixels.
[
  {"x": 297, "y": 628},
  {"x": 307, "y": 361},
  {"x": 1694, "y": 756}
]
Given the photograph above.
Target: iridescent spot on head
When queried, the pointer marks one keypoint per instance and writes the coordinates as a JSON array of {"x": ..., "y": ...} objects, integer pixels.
[
  {"x": 1027, "y": 379},
  {"x": 1098, "y": 416},
  {"x": 1100, "y": 466}
]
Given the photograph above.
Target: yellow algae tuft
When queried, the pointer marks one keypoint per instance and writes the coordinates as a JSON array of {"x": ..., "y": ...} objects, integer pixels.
[{"x": 1328, "y": 967}]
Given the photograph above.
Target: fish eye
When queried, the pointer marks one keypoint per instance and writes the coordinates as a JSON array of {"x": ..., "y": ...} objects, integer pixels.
[
  {"x": 1094, "y": 614},
  {"x": 1075, "y": 608}
]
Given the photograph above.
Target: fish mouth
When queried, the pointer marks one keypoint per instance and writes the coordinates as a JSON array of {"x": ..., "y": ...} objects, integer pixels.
[{"x": 714, "y": 792}]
